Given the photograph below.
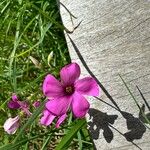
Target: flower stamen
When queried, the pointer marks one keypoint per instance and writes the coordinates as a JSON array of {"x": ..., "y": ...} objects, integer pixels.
[{"x": 69, "y": 89}]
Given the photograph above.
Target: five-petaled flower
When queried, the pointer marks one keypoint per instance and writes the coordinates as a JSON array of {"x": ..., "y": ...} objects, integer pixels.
[
  {"x": 67, "y": 94},
  {"x": 15, "y": 103}
]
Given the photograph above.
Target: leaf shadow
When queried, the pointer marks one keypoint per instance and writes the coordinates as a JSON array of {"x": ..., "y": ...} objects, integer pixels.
[{"x": 134, "y": 125}]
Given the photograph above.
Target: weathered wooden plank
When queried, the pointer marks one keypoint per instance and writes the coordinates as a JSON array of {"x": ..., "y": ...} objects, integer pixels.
[{"x": 114, "y": 38}]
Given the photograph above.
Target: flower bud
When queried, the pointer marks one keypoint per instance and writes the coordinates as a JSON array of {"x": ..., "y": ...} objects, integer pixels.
[
  {"x": 50, "y": 56},
  {"x": 14, "y": 97},
  {"x": 11, "y": 125},
  {"x": 36, "y": 104},
  {"x": 35, "y": 62}
]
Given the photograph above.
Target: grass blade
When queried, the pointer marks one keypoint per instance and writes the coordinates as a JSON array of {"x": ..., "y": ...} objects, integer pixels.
[{"x": 70, "y": 135}]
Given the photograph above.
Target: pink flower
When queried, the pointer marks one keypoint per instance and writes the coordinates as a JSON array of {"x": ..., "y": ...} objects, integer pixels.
[
  {"x": 48, "y": 118},
  {"x": 15, "y": 103},
  {"x": 11, "y": 125},
  {"x": 68, "y": 94}
]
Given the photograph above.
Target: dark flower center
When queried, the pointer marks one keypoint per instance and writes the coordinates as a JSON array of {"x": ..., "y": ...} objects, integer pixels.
[{"x": 69, "y": 90}]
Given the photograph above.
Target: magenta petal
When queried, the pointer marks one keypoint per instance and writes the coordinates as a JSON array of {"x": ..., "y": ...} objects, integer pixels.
[
  {"x": 13, "y": 105},
  {"x": 87, "y": 86},
  {"x": 79, "y": 105},
  {"x": 70, "y": 73},
  {"x": 59, "y": 106},
  {"x": 23, "y": 104},
  {"x": 52, "y": 87},
  {"x": 61, "y": 120},
  {"x": 47, "y": 118},
  {"x": 14, "y": 97}
]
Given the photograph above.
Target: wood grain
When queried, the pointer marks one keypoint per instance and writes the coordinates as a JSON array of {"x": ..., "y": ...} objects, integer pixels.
[{"x": 114, "y": 38}]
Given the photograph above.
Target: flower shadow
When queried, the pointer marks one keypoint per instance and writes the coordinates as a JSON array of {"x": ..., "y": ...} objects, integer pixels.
[{"x": 101, "y": 121}]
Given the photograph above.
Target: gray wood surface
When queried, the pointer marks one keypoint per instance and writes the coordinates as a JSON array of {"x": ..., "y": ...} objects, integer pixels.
[{"x": 114, "y": 38}]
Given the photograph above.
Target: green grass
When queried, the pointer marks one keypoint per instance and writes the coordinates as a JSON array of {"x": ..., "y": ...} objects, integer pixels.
[{"x": 32, "y": 30}]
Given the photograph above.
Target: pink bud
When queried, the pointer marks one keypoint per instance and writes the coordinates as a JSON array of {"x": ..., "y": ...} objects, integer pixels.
[
  {"x": 14, "y": 97},
  {"x": 36, "y": 104},
  {"x": 11, "y": 125}
]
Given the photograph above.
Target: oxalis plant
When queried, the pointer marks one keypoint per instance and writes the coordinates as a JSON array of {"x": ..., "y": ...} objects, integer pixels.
[
  {"x": 42, "y": 103},
  {"x": 63, "y": 98}
]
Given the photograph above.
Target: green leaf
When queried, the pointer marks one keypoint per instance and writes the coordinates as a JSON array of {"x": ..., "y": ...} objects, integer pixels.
[
  {"x": 147, "y": 119},
  {"x": 80, "y": 140},
  {"x": 70, "y": 135},
  {"x": 46, "y": 142},
  {"x": 13, "y": 146},
  {"x": 20, "y": 2}
]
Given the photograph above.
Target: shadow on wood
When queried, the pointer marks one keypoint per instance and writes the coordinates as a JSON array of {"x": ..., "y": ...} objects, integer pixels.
[{"x": 103, "y": 121}]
